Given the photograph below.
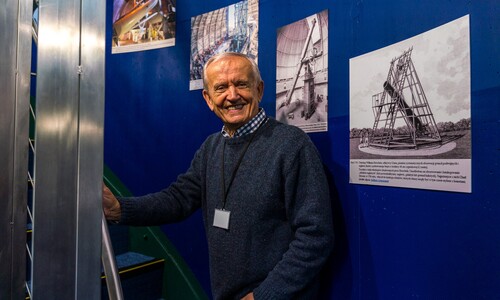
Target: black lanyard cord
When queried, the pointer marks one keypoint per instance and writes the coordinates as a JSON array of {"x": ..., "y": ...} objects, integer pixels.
[{"x": 233, "y": 175}]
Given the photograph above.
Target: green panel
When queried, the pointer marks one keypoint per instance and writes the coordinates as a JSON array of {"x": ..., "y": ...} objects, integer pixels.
[{"x": 179, "y": 282}]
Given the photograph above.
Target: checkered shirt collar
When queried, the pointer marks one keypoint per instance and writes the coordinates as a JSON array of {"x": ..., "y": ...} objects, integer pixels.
[{"x": 249, "y": 127}]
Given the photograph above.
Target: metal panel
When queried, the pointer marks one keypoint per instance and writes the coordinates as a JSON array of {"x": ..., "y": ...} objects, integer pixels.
[
  {"x": 68, "y": 162},
  {"x": 15, "y": 38},
  {"x": 91, "y": 146},
  {"x": 21, "y": 148},
  {"x": 7, "y": 117},
  {"x": 54, "y": 207}
]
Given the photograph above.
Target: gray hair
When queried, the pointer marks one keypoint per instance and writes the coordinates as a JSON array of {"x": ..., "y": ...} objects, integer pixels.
[{"x": 216, "y": 57}]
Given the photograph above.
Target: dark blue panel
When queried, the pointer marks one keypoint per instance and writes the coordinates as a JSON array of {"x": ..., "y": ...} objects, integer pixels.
[{"x": 392, "y": 243}]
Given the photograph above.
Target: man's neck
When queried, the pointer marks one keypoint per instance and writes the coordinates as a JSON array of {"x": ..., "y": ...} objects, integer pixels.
[{"x": 231, "y": 130}]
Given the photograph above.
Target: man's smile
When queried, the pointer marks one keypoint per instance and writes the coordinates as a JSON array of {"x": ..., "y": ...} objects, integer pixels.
[{"x": 235, "y": 107}]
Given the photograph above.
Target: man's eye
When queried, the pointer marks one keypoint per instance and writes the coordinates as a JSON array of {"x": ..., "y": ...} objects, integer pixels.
[
  {"x": 242, "y": 85},
  {"x": 220, "y": 88}
]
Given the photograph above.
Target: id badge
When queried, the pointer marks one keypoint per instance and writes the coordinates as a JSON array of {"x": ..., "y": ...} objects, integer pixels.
[{"x": 221, "y": 218}]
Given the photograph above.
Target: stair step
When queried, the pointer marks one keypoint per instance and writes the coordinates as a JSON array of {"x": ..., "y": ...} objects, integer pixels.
[
  {"x": 141, "y": 276},
  {"x": 135, "y": 262}
]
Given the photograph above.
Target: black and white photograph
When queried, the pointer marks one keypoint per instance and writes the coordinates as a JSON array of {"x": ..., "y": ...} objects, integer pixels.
[
  {"x": 143, "y": 25},
  {"x": 302, "y": 73},
  {"x": 410, "y": 112},
  {"x": 234, "y": 28}
]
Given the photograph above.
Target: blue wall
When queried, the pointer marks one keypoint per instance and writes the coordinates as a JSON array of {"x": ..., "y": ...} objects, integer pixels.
[{"x": 392, "y": 243}]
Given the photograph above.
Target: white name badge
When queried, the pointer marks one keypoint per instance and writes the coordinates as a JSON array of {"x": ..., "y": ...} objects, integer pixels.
[{"x": 221, "y": 218}]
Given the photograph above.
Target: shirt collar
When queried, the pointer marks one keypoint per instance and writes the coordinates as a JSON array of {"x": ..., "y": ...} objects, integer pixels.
[{"x": 249, "y": 127}]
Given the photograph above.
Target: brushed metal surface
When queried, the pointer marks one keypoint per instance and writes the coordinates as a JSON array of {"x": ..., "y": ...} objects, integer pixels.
[
  {"x": 7, "y": 117},
  {"x": 91, "y": 132},
  {"x": 68, "y": 162},
  {"x": 15, "y": 38}
]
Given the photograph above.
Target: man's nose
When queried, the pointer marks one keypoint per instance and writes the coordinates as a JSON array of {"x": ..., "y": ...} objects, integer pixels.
[{"x": 232, "y": 93}]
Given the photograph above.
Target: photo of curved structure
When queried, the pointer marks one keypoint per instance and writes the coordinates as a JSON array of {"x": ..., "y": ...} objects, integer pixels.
[
  {"x": 233, "y": 28},
  {"x": 142, "y": 25},
  {"x": 302, "y": 73}
]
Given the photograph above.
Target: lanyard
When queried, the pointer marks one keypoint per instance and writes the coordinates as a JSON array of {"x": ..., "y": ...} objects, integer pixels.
[{"x": 226, "y": 191}]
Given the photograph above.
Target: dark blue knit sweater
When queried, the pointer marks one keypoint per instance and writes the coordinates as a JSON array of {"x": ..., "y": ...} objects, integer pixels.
[{"x": 280, "y": 230}]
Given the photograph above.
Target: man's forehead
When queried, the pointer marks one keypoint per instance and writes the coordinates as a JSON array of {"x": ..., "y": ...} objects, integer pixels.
[
  {"x": 230, "y": 62},
  {"x": 229, "y": 70}
]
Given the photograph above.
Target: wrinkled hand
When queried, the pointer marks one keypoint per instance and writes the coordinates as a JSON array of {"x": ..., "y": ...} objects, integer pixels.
[
  {"x": 110, "y": 204},
  {"x": 249, "y": 296}
]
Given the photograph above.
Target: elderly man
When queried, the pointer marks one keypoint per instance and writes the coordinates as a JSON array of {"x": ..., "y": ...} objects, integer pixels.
[{"x": 262, "y": 190}]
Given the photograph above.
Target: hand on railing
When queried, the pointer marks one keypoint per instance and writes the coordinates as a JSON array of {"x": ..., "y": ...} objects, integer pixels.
[{"x": 110, "y": 205}]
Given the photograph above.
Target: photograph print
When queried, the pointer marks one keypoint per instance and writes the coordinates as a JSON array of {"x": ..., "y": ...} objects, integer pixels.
[
  {"x": 410, "y": 111},
  {"x": 302, "y": 73},
  {"x": 142, "y": 25},
  {"x": 234, "y": 28}
]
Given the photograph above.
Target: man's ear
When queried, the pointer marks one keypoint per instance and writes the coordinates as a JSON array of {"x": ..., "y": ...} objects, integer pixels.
[
  {"x": 260, "y": 90},
  {"x": 209, "y": 101}
]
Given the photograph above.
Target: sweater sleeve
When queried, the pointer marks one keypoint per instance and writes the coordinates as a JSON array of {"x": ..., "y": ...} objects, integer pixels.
[
  {"x": 173, "y": 204},
  {"x": 309, "y": 211}
]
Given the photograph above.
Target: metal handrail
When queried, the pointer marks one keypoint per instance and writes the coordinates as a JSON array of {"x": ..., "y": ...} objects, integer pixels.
[{"x": 109, "y": 264}]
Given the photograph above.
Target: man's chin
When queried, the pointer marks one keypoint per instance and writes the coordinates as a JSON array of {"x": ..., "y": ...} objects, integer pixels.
[{"x": 235, "y": 119}]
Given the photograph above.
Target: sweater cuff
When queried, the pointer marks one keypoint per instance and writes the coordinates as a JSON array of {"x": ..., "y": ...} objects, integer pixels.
[
  {"x": 266, "y": 293},
  {"x": 126, "y": 210}
]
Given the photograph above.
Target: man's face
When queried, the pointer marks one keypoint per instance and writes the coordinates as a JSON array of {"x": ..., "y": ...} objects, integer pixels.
[{"x": 232, "y": 92}]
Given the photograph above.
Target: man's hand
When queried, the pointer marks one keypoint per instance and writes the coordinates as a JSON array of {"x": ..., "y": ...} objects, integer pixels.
[
  {"x": 110, "y": 204},
  {"x": 249, "y": 296}
]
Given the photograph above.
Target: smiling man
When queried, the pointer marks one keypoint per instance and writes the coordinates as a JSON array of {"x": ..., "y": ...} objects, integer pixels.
[
  {"x": 232, "y": 89},
  {"x": 262, "y": 190}
]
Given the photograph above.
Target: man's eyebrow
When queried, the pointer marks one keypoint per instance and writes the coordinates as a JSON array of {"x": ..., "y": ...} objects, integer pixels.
[
  {"x": 219, "y": 84},
  {"x": 240, "y": 81}
]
